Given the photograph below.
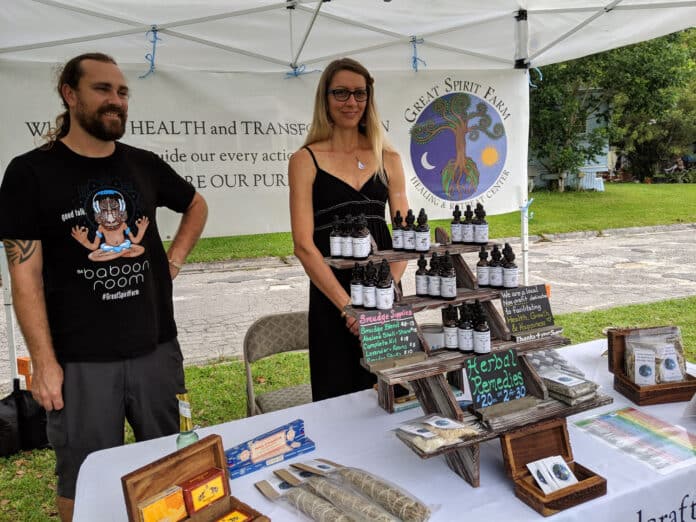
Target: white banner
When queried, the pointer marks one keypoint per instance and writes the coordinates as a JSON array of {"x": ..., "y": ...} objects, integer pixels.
[{"x": 462, "y": 135}]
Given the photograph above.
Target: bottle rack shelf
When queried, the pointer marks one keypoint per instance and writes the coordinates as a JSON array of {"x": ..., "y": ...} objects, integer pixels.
[
  {"x": 403, "y": 255},
  {"x": 428, "y": 377}
]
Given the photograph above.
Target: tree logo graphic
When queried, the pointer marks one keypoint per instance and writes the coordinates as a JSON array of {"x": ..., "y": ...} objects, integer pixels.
[{"x": 458, "y": 146}]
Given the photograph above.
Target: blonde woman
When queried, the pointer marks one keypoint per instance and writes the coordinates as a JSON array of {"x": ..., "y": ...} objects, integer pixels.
[{"x": 345, "y": 167}]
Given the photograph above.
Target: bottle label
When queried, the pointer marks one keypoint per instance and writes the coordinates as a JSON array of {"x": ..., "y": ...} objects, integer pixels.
[
  {"x": 356, "y": 294},
  {"x": 510, "y": 277},
  {"x": 481, "y": 233},
  {"x": 482, "y": 341},
  {"x": 451, "y": 337},
  {"x": 335, "y": 245},
  {"x": 361, "y": 247},
  {"x": 385, "y": 298},
  {"x": 423, "y": 241},
  {"x": 369, "y": 297},
  {"x": 184, "y": 409},
  {"x": 482, "y": 274},
  {"x": 465, "y": 339},
  {"x": 448, "y": 286},
  {"x": 398, "y": 239},
  {"x": 456, "y": 229},
  {"x": 495, "y": 276},
  {"x": 410, "y": 240},
  {"x": 421, "y": 285},
  {"x": 434, "y": 286},
  {"x": 346, "y": 246},
  {"x": 468, "y": 233}
]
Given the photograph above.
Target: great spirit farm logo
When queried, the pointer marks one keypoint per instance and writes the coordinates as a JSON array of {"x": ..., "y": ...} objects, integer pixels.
[{"x": 458, "y": 146}]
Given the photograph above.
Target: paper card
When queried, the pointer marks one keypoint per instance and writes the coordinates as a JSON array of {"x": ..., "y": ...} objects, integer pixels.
[
  {"x": 559, "y": 471},
  {"x": 273, "y": 487},
  {"x": 417, "y": 429},
  {"x": 443, "y": 423},
  {"x": 669, "y": 369},
  {"x": 321, "y": 467},
  {"x": 644, "y": 366},
  {"x": 562, "y": 378},
  {"x": 541, "y": 477},
  {"x": 295, "y": 477}
]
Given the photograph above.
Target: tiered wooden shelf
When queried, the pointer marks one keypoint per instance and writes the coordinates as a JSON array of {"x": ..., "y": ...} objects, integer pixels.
[{"x": 429, "y": 377}]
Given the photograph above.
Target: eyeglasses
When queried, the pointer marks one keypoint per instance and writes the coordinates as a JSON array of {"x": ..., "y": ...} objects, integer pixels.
[{"x": 360, "y": 95}]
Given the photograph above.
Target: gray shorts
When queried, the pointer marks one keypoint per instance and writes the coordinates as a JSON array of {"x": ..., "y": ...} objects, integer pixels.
[{"x": 99, "y": 396}]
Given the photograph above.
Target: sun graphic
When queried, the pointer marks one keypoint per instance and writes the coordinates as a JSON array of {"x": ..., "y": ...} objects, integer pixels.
[{"x": 489, "y": 156}]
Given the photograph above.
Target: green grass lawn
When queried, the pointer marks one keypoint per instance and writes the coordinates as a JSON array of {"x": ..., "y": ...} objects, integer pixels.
[
  {"x": 27, "y": 484},
  {"x": 621, "y": 205}
]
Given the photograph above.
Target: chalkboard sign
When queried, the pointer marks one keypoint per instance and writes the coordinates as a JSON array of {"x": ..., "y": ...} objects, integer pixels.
[
  {"x": 388, "y": 333},
  {"x": 495, "y": 377},
  {"x": 526, "y": 308}
]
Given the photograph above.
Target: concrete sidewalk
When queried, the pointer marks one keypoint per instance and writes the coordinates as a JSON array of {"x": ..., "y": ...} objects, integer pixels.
[{"x": 216, "y": 302}]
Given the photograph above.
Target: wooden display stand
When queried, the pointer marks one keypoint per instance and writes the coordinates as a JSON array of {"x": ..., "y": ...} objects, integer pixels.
[
  {"x": 177, "y": 467},
  {"x": 536, "y": 442},
  {"x": 428, "y": 377},
  {"x": 643, "y": 395}
]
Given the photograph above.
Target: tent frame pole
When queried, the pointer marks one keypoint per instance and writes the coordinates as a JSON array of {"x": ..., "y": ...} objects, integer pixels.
[
  {"x": 604, "y": 10},
  {"x": 9, "y": 316},
  {"x": 296, "y": 57},
  {"x": 524, "y": 237}
]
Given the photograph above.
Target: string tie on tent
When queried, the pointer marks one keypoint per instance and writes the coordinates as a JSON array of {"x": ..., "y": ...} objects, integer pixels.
[
  {"x": 541, "y": 77},
  {"x": 297, "y": 70},
  {"x": 152, "y": 36},
  {"x": 414, "y": 59}
]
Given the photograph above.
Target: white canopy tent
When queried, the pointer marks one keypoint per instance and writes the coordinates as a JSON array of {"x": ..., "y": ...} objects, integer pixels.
[
  {"x": 267, "y": 35},
  {"x": 293, "y": 37}
]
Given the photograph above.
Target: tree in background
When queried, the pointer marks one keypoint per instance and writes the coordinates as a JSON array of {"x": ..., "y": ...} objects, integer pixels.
[
  {"x": 560, "y": 105},
  {"x": 650, "y": 113},
  {"x": 644, "y": 93}
]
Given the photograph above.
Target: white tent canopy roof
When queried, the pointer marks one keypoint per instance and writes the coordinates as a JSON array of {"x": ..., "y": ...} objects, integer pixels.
[{"x": 268, "y": 36}]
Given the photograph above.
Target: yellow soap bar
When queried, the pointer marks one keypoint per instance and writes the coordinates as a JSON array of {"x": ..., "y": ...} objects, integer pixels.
[{"x": 165, "y": 506}]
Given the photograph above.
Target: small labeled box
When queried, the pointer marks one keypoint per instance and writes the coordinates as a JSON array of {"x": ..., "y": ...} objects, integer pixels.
[
  {"x": 204, "y": 489},
  {"x": 167, "y": 505},
  {"x": 644, "y": 395},
  {"x": 538, "y": 441}
]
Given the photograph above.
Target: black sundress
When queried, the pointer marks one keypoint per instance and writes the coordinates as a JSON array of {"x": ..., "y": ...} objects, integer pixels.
[{"x": 334, "y": 352}]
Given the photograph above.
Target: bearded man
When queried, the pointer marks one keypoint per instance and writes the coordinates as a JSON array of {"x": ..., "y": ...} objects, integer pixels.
[{"x": 100, "y": 329}]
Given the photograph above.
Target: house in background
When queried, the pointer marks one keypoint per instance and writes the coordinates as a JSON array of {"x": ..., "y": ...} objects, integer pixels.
[{"x": 590, "y": 177}]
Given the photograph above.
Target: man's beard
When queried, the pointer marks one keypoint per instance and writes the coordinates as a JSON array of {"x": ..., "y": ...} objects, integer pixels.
[{"x": 94, "y": 125}]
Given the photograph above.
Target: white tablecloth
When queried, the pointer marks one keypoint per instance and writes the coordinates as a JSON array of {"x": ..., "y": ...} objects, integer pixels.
[{"x": 353, "y": 430}]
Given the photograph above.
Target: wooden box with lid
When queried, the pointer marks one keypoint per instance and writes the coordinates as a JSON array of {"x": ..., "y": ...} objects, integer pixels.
[
  {"x": 537, "y": 441},
  {"x": 176, "y": 468}
]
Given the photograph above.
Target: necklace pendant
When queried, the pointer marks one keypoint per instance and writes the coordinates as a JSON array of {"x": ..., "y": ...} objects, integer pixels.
[{"x": 361, "y": 165}]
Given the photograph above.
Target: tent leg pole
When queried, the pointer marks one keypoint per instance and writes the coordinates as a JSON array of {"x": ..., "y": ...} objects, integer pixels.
[
  {"x": 9, "y": 317},
  {"x": 524, "y": 235}
]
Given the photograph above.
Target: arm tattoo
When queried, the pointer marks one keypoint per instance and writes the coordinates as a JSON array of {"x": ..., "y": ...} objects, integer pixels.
[{"x": 19, "y": 250}]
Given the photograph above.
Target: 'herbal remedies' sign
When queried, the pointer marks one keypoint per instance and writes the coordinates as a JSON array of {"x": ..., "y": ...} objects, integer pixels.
[
  {"x": 526, "y": 308},
  {"x": 495, "y": 377},
  {"x": 388, "y": 333}
]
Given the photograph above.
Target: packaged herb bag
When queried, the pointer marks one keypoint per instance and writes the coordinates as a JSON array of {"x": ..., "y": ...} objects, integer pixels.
[{"x": 655, "y": 356}]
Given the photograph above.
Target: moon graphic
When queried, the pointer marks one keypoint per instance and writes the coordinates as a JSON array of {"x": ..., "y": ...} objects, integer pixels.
[{"x": 425, "y": 163}]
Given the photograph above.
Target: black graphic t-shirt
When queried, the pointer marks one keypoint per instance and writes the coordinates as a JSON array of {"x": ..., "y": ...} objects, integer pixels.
[{"x": 105, "y": 271}]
